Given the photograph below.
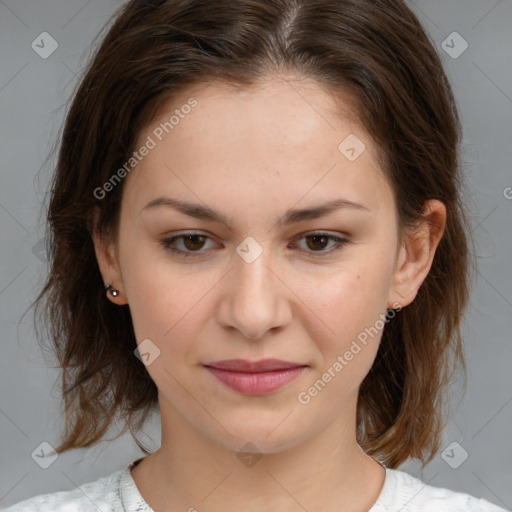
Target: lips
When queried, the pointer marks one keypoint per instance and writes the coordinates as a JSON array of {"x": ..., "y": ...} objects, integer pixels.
[
  {"x": 242, "y": 365},
  {"x": 255, "y": 377}
]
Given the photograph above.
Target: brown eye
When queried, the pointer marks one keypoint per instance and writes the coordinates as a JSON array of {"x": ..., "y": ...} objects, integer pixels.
[
  {"x": 194, "y": 242},
  {"x": 317, "y": 242},
  {"x": 322, "y": 244},
  {"x": 187, "y": 244}
]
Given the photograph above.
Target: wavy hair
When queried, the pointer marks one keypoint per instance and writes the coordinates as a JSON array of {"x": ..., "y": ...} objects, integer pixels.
[{"x": 375, "y": 50}]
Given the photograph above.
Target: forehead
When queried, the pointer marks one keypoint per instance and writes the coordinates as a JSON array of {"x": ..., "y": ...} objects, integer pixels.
[
  {"x": 291, "y": 107},
  {"x": 280, "y": 140}
]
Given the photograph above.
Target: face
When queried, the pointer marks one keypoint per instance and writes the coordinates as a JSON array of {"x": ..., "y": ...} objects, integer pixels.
[{"x": 268, "y": 274}]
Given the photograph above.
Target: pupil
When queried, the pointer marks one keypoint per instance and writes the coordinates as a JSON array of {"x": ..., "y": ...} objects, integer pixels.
[
  {"x": 193, "y": 239},
  {"x": 317, "y": 239}
]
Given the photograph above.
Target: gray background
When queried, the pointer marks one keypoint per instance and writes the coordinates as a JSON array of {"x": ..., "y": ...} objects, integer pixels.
[{"x": 33, "y": 96}]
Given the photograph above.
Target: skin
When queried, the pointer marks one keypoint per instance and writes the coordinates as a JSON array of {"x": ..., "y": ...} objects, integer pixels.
[{"x": 252, "y": 154}]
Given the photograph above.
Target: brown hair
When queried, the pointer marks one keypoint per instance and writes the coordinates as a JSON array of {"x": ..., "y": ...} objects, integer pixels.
[{"x": 377, "y": 51}]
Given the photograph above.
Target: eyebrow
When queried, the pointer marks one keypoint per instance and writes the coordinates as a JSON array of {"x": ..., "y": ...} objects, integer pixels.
[{"x": 291, "y": 216}]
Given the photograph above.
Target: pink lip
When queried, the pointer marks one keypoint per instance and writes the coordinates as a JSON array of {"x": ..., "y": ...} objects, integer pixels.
[{"x": 255, "y": 377}]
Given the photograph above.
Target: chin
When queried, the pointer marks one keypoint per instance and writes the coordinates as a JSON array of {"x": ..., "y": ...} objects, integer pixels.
[{"x": 265, "y": 439}]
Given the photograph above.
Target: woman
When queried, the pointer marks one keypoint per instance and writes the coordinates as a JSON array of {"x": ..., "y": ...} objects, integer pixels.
[{"x": 257, "y": 230}]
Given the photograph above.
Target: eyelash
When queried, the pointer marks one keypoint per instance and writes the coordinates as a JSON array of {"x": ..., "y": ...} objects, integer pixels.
[{"x": 166, "y": 243}]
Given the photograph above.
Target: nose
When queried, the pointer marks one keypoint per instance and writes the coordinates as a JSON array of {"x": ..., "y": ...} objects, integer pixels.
[{"x": 255, "y": 298}]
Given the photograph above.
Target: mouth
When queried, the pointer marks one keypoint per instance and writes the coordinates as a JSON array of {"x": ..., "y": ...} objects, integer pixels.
[{"x": 255, "y": 377}]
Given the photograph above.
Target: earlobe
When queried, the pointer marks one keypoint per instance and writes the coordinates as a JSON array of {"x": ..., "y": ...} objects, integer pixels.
[
  {"x": 417, "y": 253},
  {"x": 108, "y": 264}
]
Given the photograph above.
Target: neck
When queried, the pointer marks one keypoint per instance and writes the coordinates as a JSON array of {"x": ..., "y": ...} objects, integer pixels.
[{"x": 192, "y": 471}]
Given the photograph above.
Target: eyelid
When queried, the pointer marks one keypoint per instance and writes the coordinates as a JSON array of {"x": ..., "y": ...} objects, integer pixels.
[
  {"x": 167, "y": 240},
  {"x": 340, "y": 241}
]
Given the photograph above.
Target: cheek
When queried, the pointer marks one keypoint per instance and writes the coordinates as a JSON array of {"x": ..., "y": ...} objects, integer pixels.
[
  {"x": 350, "y": 297},
  {"x": 161, "y": 299},
  {"x": 349, "y": 308}
]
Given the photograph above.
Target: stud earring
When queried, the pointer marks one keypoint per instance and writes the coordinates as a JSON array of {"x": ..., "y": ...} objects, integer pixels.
[{"x": 112, "y": 291}]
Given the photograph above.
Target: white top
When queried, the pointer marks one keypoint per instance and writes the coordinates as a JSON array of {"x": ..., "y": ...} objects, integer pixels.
[{"x": 118, "y": 493}]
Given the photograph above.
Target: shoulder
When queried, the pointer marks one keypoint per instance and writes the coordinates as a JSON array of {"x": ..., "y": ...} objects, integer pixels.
[
  {"x": 99, "y": 496},
  {"x": 404, "y": 492}
]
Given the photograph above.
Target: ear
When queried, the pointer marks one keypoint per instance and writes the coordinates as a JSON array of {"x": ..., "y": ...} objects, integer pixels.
[
  {"x": 417, "y": 253},
  {"x": 106, "y": 255}
]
